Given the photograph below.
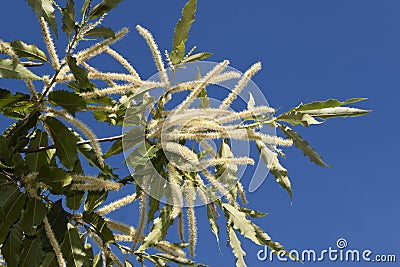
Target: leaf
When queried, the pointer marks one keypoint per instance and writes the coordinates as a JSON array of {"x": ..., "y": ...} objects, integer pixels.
[
  {"x": 44, "y": 8},
  {"x": 68, "y": 18},
  {"x": 55, "y": 177},
  {"x": 38, "y": 159},
  {"x": 28, "y": 51},
  {"x": 327, "y": 113},
  {"x": 58, "y": 219},
  {"x": 85, "y": 6},
  {"x": 104, "y": 7},
  {"x": 103, "y": 32},
  {"x": 74, "y": 199},
  {"x": 88, "y": 152},
  {"x": 8, "y": 99},
  {"x": 213, "y": 222},
  {"x": 65, "y": 142},
  {"x": 72, "y": 247},
  {"x": 236, "y": 248},
  {"x": 278, "y": 171},
  {"x": 11, "y": 249},
  {"x": 32, "y": 253},
  {"x": 70, "y": 101},
  {"x": 15, "y": 106},
  {"x": 81, "y": 76},
  {"x": 238, "y": 221},
  {"x": 181, "y": 32},
  {"x": 158, "y": 230},
  {"x": 99, "y": 225},
  {"x": 177, "y": 259},
  {"x": 12, "y": 202},
  {"x": 33, "y": 215},
  {"x": 295, "y": 118},
  {"x": 253, "y": 213},
  {"x": 4, "y": 230},
  {"x": 299, "y": 142},
  {"x": 116, "y": 148},
  {"x": 196, "y": 57},
  {"x": 49, "y": 260},
  {"x": 10, "y": 69},
  {"x": 331, "y": 103},
  {"x": 94, "y": 199}
]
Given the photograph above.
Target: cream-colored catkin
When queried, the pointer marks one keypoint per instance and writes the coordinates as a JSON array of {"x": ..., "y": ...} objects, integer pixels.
[
  {"x": 101, "y": 108},
  {"x": 175, "y": 187},
  {"x": 155, "y": 52},
  {"x": 121, "y": 227},
  {"x": 181, "y": 229},
  {"x": 116, "y": 204},
  {"x": 142, "y": 210},
  {"x": 240, "y": 85},
  {"x": 84, "y": 129},
  {"x": 242, "y": 193},
  {"x": 190, "y": 196},
  {"x": 214, "y": 182},
  {"x": 123, "y": 62},
  {"x": 100, "y": 47},
  {"x": 200, "y": 189},
  {"x": 196, "y": 91},
  {"x": 96, "y": 183},
  {"x": 51, "y": 49},
  {"x": 181, "y": 151},
  {"x": 53, "y": 241}
]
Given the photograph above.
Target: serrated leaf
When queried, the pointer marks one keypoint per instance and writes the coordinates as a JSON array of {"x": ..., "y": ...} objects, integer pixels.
[
  {"x": 101, "y": 31},
  {"x": 8, "y": 99},
  {"x": 28, "y": 51},
  {"x": 44, "y": 8},
  {"x": 158, "y": 230},
  {"x": 239, "y": 221},
  {"x": 33, "y": 215},
  {"x": 70, "y": 101},
  {"x": 12, "y": 202},
  {"x": 58, "y": 219},
  {"x": 196, "y": 57},
  {"x": 253, "y": 213},
  {"x": 65, "y": 142},
  {"x": 32, "y": 253},
  {"x": 94, "y": 199},
  {"x": 300, "y": 143},
  {"x": 104, "y": 7},
  {"x": 72, "y": 247},
  {"x": 236, "y": 248},
  {"x": 181, "y": 32},
  {"x": 81, "y": 76},
  {"x": 55, "y": 177},
  {"x": 327, "y": 113},
  {"x": 38, "y": 159},
  {"x": 177, "y": 259},
  {"x": 271, "y": 160},
  {"x": 11, "y": 249},
  {"x": 10, "y": 69},
  {"x": 213, "y": 222},
  {"x": 99, "y": 225},
  {"x": 295, "y": 118},
  {"x": 68, "y": 18},
  {"x": 331, "y": 103}
]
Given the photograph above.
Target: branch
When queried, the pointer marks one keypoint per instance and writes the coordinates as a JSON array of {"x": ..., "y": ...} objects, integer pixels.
[{"x": 84, "y": 142}]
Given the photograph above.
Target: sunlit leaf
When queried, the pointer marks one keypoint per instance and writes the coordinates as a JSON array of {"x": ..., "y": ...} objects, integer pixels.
[
  {"x": 236, "y": 248},
  {"x": 28, "y": 51},
  {"x": 45, "y": 9},
  {"x": 331, "y": 103},
  {"x": 68, "y": 18},
  {"x": 38, "y": 159},
  {"x": 101, "y": 31},
  {"x": 99, "y": 225},
  {"x": 70, "y": 101},
  {"x": 196, "y": 57},
  {"x": 13, "y": 70},
  {"x": 94, "y": 199},
  {"x": 253, "y": 213},
  {"x": 327, "y": 113},
  {"x": 104, "y": 7},
  {"x": 295, "y": 118},
  {"x": 213, "y": 222},
  {"x": 81, "y": 76},
  {"x": 116, "y": 148}
]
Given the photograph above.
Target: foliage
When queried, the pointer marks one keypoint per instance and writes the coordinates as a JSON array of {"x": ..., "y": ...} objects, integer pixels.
[{"x": 42, "y": 153}]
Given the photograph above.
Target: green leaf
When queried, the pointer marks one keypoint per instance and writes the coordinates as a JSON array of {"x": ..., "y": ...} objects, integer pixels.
[
  {"x": 158, "y": 230},
  {"x": 88, "y": 152},
  {"x": 8, "y": 99},
  {"x": 196, "y": 57},
  {"x": 176, "y": 259},
  {"x": 278, "y": 171},
  {"x": 44, "y": 8},
  {"x": 72, "y": 247},
  {"x": 141, "y": 155},
  {"x": 239, "y": 221},
  {"x": 28, "y": 51},
  {"x": 81, "y": 76},
  {"x": 295, "y": 118},
  {"x": 55, "y": 177},
  {"x": 115, "y": 149},
  {"x": 65, "y": 142},
  {"x": 15, "y": 106},
  {"x": 4, "y": 230},
  {"x": 331, "y": 103},
  {"x": 300, "y": 143},
  {"x": 12, "y": 202},
  {"x": 181, "y": 32},
  {"x": 33, "y": 215},
  {"x": 10, "y": 69},
  {"x": 11, "y": 249},
  {"x": 104, "y": 7},
  {"x": 74, "y": 199},
  {"x": 213, "y": 222},
  {"x": 253, "y": 213},
  {"x": 85, "y": 6},
  {"x": 99, "y": 225},
  {"x": 103, "y": 32},
  {"x": 97, "y": 261},
  {"x": 32, "y": 253},
  {"x": 49, "y": 260},
  {"x": 236, "y": 248},
  {"x": 58, "y": 219},
  {"x": 327, "y": 113},
  {"x": 70, "y": 101},
  {"x": 68, "y": 18},
  {"x": 38, "y": 159},
  {"x": 94, "y": 199}
]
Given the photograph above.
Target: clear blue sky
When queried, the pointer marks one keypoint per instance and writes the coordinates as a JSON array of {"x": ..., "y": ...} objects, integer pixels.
[{"x": 311, "y": 50}]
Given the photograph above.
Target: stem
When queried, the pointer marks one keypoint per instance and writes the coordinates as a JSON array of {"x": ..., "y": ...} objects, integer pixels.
[{"x": 84, "y": 142}]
